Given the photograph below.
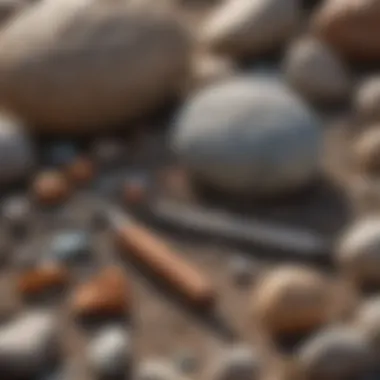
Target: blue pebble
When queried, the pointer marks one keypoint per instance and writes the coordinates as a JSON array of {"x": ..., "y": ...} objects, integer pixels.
[{"x": 70, "y": 245}]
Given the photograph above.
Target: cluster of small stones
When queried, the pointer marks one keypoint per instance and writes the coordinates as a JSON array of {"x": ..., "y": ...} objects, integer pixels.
[{"x": 85, "y": 68}]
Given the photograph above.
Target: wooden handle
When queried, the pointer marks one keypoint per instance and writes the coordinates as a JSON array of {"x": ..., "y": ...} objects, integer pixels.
[{"x": 164, "y": 262}]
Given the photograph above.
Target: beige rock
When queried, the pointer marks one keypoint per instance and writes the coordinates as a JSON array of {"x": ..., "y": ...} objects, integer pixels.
[
  {"x": 367, "y": 99},
  {"x": 251, "y": 27},
  {"x": 80, "y": 66},
  {"x": 358, "y": 252},
  {"x": 316, "y": 72},
  {"x": 351, "y": 27},
  {"x": 292, "y": 299}
]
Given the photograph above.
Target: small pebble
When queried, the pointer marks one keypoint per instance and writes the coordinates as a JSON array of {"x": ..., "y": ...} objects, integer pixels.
[
  {"x": 156, "y": 370},
  {"x": 237, "y": 362},
  {"x": 28, "y": 345},
  {"x": 335, "y": 354},
  {"x": 135, "y": 190},
  {"x": 186, "y": 361},
  {"x": 70, "y": 245},
  {"x": 106, "y": 294},
  {"x": 81, "y": 171},
  {"x": 16, "y": 211},
  {"x": 110, "y": 352},
  {"x": 61, "y": 153},
  {"x": 241, "y": 269},
  {"x": 38, "y": 280},
  {"x": 51, "y": 188}
]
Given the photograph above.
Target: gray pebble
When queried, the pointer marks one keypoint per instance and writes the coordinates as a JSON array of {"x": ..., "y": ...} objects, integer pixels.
[
  {"x": 237, "y": 362},
  {"x": 28, "y": 344},
  {"x": 110, "y": 352},
  {"x": 70, "y": 245}
]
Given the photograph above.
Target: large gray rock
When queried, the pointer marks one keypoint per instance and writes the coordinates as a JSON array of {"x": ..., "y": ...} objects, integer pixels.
[
  {"x": 316, "y": 72},
  {"x": 248, "y": 135},
  {"x": 79, "y": 66},
  {"x": 16, "y": 151},
  {"x": 251, "y": 27}
]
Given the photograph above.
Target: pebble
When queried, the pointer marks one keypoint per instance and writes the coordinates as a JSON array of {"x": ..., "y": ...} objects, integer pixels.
[
  {"x": 28, "y": 345},
  {"x": 38, "y": 280},
  {"x": 336, "y": 353},
  {"x": 241, "y": 269},
  {"x": 70, "y": 245},
  {"x": 16, "y": 211},
  {"x": 314, "y": 70},
  {"x": 185, "y": 361},
  {"x": 292, "y": 300},
  {"x": 358, "y": 252},
  {"x": 60, "y": 154},
  {"x": 85, "y": 81},
  {"x": 156, "y": 369},
  {"x": 17, "y": 152},
  {"x": 81, "y": 170},
  {"x": 350, "y": 27},
  {"x": 366, "y": 151},
  {"x": 110, "y": 352},
  {"x": 51, "y": 188},
  {"x": 106, "y": 294},
  {"x": 249, "y": 135},
  {"x": 237, "y": 362},
  {"x": 251, "y": 28},
  {"x": 367, "y": 99},
  {"x": 135, "y": 190}
]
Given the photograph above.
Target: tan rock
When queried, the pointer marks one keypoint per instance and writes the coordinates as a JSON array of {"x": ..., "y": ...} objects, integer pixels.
[
  {"x": 38, "y": 280},
  {"x": 51, "y": 187},
  {"x": 292, "y": 299},
  {"x": 80, "y": 66},
  {"x": 81, "y": 170},
  {"x": 350, "y": 27},
  {"x": 106, "y": 294}
]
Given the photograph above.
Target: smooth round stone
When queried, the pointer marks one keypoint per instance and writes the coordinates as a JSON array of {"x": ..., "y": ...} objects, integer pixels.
[
  {"x": 238, "y": 362},
  {"x": 16, "y": 151},
  {"x": 28, "y": 345},
  {"x": 316, "y": 72},
  {"x": 110, "y": 352},
  {"x": 155, "y": 369},
  {"x": 335, "y": 354},
  {"x": 70, "y": 245},
  {"x": 358, "y": 251},
  {"x": 61, "y": 153},
  {"x": 249, "y": 135}
]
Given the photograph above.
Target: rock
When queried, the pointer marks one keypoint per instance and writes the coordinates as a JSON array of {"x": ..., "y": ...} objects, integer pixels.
[
  {"x": 350, "y": 27},
  {"x": 135, "y": 190},
  {"x": 316, "y": 72},
  {"x": 293, "y": 300},
  {"x": 51, "y": 187},
  {"x": 9, "y": 8},
  {"x": 80, "y": 67},
  {"x": 62, "y": 153},
  {"x": 28, "y": 345},
  {"x": 366, "y": 151},
  {"x": 33, "y": 282},
  {"x": 242, "y": 270},
  {"x": 367, "y": 99},
  {"x": 238, "y": 362},
  {"x": 70, "y": 246},
  {"x": 185, "y": 361},
  {"x": 106, "y": 294},
  {"x": 109, "y": 152},
  {"x": 358, "y": 252},
  {"x": 156, "y": 370},
  {"x": 250, "y": 28},
  {"x": 248, "y": 135},
  {"x": 110, "y": 352},
  {"x": 334, "y": 354},
  {"x": 81, "y": 171},
  {"x": 16, "y": 211},
  {"x": 16, "y": 151}
]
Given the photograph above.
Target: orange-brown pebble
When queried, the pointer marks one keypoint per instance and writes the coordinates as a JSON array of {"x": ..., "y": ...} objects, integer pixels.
[
  {"x": 37, "y": 280},
  {"x": 51, "y": 187},
  {"x": 106, "y": 294},
  {"x": 81, "y": 170},
  {"x": 293, "y": 300}
]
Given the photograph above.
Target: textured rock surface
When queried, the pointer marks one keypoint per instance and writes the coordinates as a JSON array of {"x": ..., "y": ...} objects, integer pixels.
[
  {"x": 16, "y": 151},
  {"x": 248, "y": 135},
  {"x": 351, "y": 27},
  {"x": 316, "y": 72},
  {"x": 367, "y": 99},
  {"x": 69, "y": 66},
  {"x": 335, "y": 354},
  {"x": 251, "y": 27},
  {"x": 358, "y": 251}
]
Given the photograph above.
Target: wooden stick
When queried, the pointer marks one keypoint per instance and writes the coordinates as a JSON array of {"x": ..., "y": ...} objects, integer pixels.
[{"x": 154, "y": 253}]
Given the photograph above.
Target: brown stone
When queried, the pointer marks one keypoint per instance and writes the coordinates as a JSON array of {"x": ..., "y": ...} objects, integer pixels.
[
  {"x": 106, "y": 294},
  {"x": 37, "y": 280},
  {"x": 51, "y": 187},
  {"x": 81, "y": 170},
  {"x": 134, "y": 192},
  {"x": 292, "y": 299},
  {"x": 351, "y": 27}
]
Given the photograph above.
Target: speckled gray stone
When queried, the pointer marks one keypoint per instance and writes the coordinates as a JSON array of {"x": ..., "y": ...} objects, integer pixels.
[{"x": 249, "y": 135}]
